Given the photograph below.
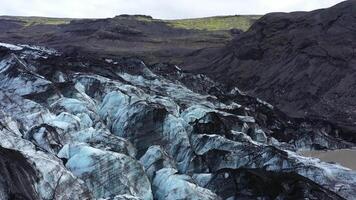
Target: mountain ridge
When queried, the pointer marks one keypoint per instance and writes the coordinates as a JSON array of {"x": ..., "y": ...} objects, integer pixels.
[{"x": 301, "y": 62}]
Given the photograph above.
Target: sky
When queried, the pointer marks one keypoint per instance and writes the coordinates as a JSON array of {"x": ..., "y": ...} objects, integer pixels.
[{"x": 162, "y": 9}]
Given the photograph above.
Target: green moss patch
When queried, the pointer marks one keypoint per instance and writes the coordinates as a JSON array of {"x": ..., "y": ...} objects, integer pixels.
[{"x": 242, "y": 22}]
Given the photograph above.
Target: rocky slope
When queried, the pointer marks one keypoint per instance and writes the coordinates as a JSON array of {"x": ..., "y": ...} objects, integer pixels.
[
  {"x": 83, "y": 127},
  {"x": 302, "y": 62},
  {"x": 150, "y": 39}
]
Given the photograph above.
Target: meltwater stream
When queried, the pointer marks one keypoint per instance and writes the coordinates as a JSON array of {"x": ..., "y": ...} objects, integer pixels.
[{"x": 345, "y": 157}]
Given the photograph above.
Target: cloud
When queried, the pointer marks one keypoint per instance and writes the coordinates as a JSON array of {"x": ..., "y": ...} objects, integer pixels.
[{"x": 164, "y": 9}]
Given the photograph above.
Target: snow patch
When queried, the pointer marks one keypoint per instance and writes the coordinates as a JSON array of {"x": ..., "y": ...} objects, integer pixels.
[{"x": 11, "y": 46}]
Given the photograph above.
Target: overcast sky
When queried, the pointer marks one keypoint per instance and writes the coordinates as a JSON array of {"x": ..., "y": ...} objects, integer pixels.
[{"x": 164, "y": 9}]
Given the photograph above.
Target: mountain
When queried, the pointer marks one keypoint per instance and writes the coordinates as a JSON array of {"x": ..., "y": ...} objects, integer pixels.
[
  {"x": 301, "y": 62},
  {"x": 152, "y": 40}
]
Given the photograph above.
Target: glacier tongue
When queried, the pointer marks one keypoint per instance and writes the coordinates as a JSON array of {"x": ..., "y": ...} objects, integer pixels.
[{"x": 86, "y": 128}]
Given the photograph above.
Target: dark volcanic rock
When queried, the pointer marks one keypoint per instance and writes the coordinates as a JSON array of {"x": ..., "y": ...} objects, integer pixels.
[{"x": 302, "y": 62}]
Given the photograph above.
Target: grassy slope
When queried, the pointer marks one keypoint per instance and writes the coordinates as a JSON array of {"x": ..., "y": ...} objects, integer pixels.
[
  {"x": 30, "y": 21},
  {"x": 242, "y": 22}
]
